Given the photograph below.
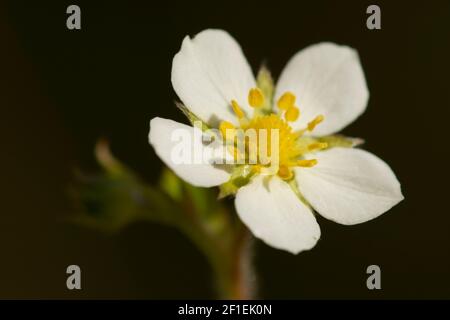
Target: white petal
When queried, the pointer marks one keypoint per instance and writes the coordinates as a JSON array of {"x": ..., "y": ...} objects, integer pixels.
[
  {"x": 274, "y": 214},
  {"x": 349, "y": 186},
  {"x": 208, "y": 72},
  {"x": 327, "y": 79},
  {"x": 165, "y": 138}
]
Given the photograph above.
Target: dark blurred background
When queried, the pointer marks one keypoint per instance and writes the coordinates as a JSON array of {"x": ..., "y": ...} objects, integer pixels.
[{"x": 61, "y": 90}]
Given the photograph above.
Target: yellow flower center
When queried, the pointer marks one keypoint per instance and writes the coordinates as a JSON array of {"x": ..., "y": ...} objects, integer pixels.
[{"x": 255, "y": 140}]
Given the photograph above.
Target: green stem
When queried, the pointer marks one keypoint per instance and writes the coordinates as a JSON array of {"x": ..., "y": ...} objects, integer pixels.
[
  {"x": 233, "y": 270},
  {"x": 230, "y": 260},
  {"x": 227, "y": 248}
]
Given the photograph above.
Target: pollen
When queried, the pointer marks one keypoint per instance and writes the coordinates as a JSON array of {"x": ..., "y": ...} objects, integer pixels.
[
  {"x": 256, "y": 168},
  {"x": 285, "y": 173},
  {"x": 255, "y": 98},
  {"x": 286, "y": 101},
  {"x": 292, "y": 114},
  {"x": 267, "y": 142}
]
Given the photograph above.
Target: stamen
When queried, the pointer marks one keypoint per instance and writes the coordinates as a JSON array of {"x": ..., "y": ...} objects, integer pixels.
[
  {"x": 307, "y": 163},
  {"x": 251, "y": 151},
  {"x": 298, "y": 134},
  {"x": 227, "y": 130},
  {"x": 255, "y": 98},
  {"x": 292, "y": 114},
  {"x": 286, "y": 101},
  {"x": 317, "y": 146},
  {"x": 312, "y": 124},
  {"x": 285, "y": 173},
  {"x": 256, "y": 168},
  {"x": 237, "y": 109}
]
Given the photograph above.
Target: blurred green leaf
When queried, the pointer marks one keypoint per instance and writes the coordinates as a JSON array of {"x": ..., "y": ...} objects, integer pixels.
[
  {"x": 116, "y": 197},
  {"x": 171, "y": 184}
]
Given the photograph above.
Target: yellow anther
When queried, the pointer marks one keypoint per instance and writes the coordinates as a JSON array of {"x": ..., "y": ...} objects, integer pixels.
[
  {"x": 255, "y": 98},
  {"x": 286, "y": 101},
  {"x": 227, "y": 130},
  {"x": 315, "y": 122},
  {"x": 256, "y": 168},
  {"x": 237, "y": 109},
  {"x": 317, "y": 146},
  {"x": 292, "y": 114},
  {"x": 307, "y": 163},
  {"x": 285, "y": 173}
]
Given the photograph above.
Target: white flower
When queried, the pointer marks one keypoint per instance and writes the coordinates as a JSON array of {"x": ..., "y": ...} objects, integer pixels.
[{"x": 214, "y": 81}]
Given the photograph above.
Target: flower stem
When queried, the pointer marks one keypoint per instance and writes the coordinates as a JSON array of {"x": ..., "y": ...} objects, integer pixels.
[{"x": 234, "y": 274}]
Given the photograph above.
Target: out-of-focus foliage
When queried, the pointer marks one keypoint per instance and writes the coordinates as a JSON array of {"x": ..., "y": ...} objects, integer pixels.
[{"x": 116, "y": 196}]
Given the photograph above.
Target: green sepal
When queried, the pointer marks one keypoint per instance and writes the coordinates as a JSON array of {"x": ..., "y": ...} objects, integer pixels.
[
  {"x": 265, "y": 83},
  {"x": 338, "y": 140},
  {"x": 239, "y": 177},
  {"x": 193, "y": 119}
]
